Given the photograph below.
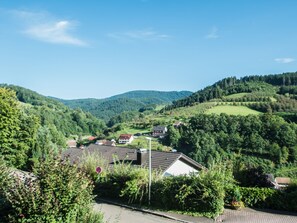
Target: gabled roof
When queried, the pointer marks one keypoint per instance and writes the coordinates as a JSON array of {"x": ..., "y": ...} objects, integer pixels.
[
  {"x": 160, "y": 160},
  {"x": 159, "y": 128},
  {"x": 125, "y": 136},
  {"x": 283, "y": 180}
]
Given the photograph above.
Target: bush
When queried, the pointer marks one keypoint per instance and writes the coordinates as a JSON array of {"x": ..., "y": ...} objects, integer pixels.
[
  {"x": 257, "y": 197},
  {"x": 203, "y": 194},
  {"x": 270, "y": 198},
  {"x": 58, "y": 192},
  {"x": 4, "y": 183},
  {"x": 125, "y": 182},
  {"x": 90, "y": 162}
]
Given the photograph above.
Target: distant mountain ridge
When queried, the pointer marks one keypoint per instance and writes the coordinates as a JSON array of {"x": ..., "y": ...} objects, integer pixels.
[{"x": 129, "y": 101}]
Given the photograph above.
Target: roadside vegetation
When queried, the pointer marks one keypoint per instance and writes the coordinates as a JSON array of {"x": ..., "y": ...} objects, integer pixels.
[
  {"x": 55, "y": 192},
  {"x": 203, "y": 194}
]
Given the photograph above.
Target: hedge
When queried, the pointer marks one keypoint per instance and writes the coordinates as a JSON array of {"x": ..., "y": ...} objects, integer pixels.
[{"x": 270, "y": 198}]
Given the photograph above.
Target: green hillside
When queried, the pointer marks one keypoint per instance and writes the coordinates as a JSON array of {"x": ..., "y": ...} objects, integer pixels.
[
  {"x": 231, "y": 110},
  {"x": 49, "y": 121},
  {"x": 248, "y": 121},
  {"x": 267, "y": 85},
  {"x": 131, "y": 101}
]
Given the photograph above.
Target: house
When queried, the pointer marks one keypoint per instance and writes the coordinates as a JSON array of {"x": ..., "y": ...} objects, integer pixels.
[
  {"x": 91, "y": 138},
  {"x": 169, "y": 163},
  {"x": 105, "y": 142},
  {"x": 71, "y": 143},
  {"x": 178, "y": 124},
  {"x": 282, "y": 182},
  {"x": 159, "y": 131},
  {"x": 125, "y": 138}
]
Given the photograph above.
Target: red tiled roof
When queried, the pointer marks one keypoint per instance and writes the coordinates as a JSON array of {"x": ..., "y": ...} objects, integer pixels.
[
  {"x": 125, "y": 136},
  {"x": 91, "y": 138}
]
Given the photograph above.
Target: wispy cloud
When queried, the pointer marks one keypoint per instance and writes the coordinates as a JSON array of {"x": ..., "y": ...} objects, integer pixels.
[
  {"x": 145, "y": 34},
  {"x": 284, "y": 60},
  {"x": 213, "y": 34},
  {"x": 44, "y": 27}
]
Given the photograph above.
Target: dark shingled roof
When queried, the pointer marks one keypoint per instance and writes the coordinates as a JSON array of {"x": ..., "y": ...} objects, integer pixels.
[
  {"x": 159, "y": 128},
  {"x": 160, "y": 160}
]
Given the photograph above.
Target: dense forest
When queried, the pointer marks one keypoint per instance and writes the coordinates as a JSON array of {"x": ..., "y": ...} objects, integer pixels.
[
  {"x": 131, "y": 101},
  {"x": 32, "y": 125},
  {"x": 266, "y": 140}
]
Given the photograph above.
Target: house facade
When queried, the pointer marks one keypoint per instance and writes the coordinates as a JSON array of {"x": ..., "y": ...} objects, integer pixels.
[
  {"x": 105, "y": 142},
  {"x": 159, "y": 131},
  {"x": 125, "y": 138}
]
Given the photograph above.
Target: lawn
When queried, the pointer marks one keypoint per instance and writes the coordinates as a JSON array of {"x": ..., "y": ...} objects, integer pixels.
[
  {"x": 232, "y": 110},
  {"x": 239, "y": 95}
]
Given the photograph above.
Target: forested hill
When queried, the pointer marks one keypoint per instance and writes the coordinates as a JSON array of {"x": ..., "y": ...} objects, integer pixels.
[
  {"x": 129, "y": 101},
  {"x": 46, "y": 122},
  {"x": 156, "y": 97},
  {"x": 285, "y": 83}
]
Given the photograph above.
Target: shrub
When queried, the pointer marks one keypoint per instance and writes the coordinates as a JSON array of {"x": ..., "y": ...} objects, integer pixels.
[
  {"x": 90, "y": 162},
  {"x": 203, "y": 194},
  {"x": 59, "y": 192},
  {"x": 257, "y": 197},
  {"x": 125, "y": 182},
  {"x": 270, "y": 198},
  {"x": 4, "y": 183}
]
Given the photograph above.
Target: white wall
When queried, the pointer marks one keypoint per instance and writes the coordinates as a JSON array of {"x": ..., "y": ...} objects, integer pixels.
[{"x": 179, "y": 168}]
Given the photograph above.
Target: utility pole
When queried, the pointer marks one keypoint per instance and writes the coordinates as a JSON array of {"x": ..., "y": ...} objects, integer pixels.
[{"x": 150, "y": 168}]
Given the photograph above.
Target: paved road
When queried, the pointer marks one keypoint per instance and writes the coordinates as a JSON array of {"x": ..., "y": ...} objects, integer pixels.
[
  {"x": 248, "y": 215},
  {"x": 116, "y": 214}
]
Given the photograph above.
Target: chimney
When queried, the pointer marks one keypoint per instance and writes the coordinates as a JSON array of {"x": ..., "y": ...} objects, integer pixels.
[{"x": 141, "y": 156}]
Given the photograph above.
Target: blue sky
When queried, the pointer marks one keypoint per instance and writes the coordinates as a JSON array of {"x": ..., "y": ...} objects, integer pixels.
[{"x": 99, "y": 48}]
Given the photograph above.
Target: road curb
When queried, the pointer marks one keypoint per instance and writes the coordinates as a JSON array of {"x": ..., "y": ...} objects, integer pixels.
[{"x": 147, "y": 211}]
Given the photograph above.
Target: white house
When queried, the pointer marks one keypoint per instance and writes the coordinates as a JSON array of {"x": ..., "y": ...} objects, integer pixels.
[{"x": 125, "y": 138}]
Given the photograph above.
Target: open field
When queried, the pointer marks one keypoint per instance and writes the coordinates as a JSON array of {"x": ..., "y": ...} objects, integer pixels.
[
  {"x": 239, "y": 95},
  {"x": 232, "y": 110}
]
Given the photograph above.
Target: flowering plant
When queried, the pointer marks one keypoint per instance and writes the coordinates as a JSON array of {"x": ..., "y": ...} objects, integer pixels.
[{"x": 236, "y": 202}]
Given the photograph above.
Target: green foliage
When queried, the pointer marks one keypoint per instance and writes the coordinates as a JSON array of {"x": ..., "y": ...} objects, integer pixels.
[
  {"x": 247, "y": 84},
  {"x": 18, "y": 129},
  {"x": 89, "y": 163},
  {"x": 265, "y": 140},
  {"x": 38, "y": 125},
  {"x": 59, "y": 192},
  {"x": 125, "y": 182},
  {"x": 257, "y": 197},
  {"x": 123, "y": 117},
  {"x": 5, "y": 182},
  {"x": 203, "y": 193},
  {"x": 9, "y": 124},
  {"x": 232, "y": 110},
  {"x": 131, "y": 101}
]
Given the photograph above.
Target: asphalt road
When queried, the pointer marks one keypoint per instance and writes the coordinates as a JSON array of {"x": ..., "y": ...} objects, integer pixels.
[
  {"x": 116, "y": 214},
  {"x": 248, "y": 215}
]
